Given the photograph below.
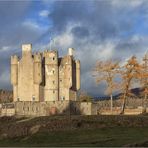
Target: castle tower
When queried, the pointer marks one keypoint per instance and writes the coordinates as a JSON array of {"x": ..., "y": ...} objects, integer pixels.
[
  {"x": 37, "y": 77},
  {"x": 67, "y": 77},
  {"x": 14, "y": 75},
  {"x": 77, "y": 74},
  {"x": 25, "y": 74},
  {"x": 51, "y": 92},
  {"x": 37, "y": 68}
]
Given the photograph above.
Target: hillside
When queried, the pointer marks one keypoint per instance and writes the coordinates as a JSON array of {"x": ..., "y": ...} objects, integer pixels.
[
  {"x": 135, "y": 91},
  {"x": 74, "y": 131}
]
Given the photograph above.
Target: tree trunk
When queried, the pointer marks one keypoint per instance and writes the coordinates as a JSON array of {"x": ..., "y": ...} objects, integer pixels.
[
  {"x": 111, "y": 103},
  {"x": 144, "y": 102},
  {"x": 123, "y": 105}
]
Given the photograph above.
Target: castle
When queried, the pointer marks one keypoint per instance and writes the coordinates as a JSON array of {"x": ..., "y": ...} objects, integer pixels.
[
  {"x": 45, "y": 84},
  {"x": 44, "y": 76}
]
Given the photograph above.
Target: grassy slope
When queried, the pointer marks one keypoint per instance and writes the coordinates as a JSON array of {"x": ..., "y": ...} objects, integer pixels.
[
  {"x": 106, "y": 136},
  {"x": 94, "y": 137}
]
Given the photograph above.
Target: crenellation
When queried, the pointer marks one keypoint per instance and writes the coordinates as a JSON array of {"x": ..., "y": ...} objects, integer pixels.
[{"x": 26, "y": 50}]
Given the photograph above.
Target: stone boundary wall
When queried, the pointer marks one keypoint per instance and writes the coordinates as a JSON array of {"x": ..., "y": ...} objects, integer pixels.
[
  {"x": 34, "y": 108},
  {"x": 130, "y": 103}
]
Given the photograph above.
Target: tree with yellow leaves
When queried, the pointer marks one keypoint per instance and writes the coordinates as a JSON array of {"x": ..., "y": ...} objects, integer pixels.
[
  {"x": 144, "y": 78},
  {"x": 130, "y": 72},
  {"x": 106, "y": 71}
]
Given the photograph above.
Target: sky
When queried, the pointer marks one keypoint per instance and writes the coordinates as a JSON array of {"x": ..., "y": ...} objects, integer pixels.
[{"x": 96, "y": 29}]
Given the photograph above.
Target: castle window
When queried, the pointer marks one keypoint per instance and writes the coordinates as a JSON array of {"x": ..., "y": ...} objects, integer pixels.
[
  {"x": 53, "y": 71},
  {"x": 18, "y": 99},
  {"x": 37, "y": 109},
  {"x": 53, "y": 82},
  {"x": 53, "y": 91},
  {"x": 33, "y": 98},
  {"x": 63, "y": 98},
  {"x": 60, "y": 80},
  {"x": 53, "y": 58}
]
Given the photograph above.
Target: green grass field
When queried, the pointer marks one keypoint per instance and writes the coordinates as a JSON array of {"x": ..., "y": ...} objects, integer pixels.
[
  {"x": 116, "y": 136},
  {"x": 107, "y": 135}
]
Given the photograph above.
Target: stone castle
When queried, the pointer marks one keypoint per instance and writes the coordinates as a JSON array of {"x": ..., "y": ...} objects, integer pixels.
[
  {"x": 45, "y": 84},
  {"x": 44, "y": 76}
]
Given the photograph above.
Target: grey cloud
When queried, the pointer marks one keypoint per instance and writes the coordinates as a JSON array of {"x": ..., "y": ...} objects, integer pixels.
[
  {"x": 98, "y": 23},
  {"x": 99, "y": 17},
  {"x": 80, "y": 31},
  {"x": 12, "y": 34}
]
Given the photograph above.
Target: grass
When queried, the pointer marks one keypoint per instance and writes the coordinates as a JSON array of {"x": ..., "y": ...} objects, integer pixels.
[{"x": 115, "y": 136}]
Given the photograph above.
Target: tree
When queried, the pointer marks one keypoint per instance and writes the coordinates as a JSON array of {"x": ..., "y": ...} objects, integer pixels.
[
  {"x": 144, "y": 78},
  {"x": 130, "y": 72},
  {"x": 84, "y": 97},
  {"x": 106, "y": 71}
]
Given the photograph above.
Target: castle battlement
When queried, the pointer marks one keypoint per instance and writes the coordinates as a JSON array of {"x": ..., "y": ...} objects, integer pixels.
[
  {"x": 14, "y": 59},
  {"x": 37, "y": 57}
]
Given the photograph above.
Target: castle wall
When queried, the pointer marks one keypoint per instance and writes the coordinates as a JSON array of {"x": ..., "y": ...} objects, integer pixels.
[{"x": 48, "y": 108}]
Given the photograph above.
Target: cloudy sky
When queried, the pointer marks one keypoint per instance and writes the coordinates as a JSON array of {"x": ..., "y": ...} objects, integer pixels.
[{"x": 97, "y": 29}]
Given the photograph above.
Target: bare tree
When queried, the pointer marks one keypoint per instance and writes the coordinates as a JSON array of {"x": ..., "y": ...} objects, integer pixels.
[
  {"x": 130, "y": 72},
  {"x": 84, "y": 97},
  {"x": 106, "y": 71}
]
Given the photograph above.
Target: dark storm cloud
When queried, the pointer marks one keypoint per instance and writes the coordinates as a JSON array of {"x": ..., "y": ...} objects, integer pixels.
[
  {"x": 68, "y": 11},
  {"x": 98, "y": 25},
  {"x": 101, "y": 18}
]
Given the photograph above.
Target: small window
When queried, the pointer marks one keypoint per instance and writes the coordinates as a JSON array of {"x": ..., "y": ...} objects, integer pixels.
[
  {"x": 33, "y": 98},
  {"x": 53, "y": 58},
  {"x": 60, "y": 80},
  {"x": 18, "y": 99},
  {"x": 63, "y": 98},
  {"x": 53, "y": 82},
  {"x": 53, "y": 71},
  {"x": 53, "y": 91}
]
